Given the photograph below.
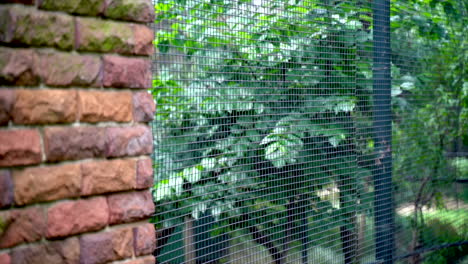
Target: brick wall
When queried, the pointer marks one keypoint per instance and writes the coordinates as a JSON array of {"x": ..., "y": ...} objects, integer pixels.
[{"x": 74, "y": 140}]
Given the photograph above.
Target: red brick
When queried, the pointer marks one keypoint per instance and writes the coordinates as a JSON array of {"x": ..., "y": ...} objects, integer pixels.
[
  {"x": 19, "y": 147},
  {"x": 103, "y": 247},
  {"x": 144, "y": 239},
  {"x": 64, "y": 69},
  {"x": 5, "y": 258},
  {"x": 144, "y": 174},
  {"x": 6, "y": 189},
  {"x": 22, "y": 225},
  {"x": 130, "y": 207},
  {"x": 26, "y": 25},
  {"x": 17, "y": 66},
  {"x": 104, "y": 36},
  {"x": 49, "y": 183},
  {"x": 143, "y": 39},
  {"x": 143, "y": 107},
  {"x": 123, "y": 72},
  {"x": 74, "y": 143},
  {"x": 129, "y": 141},
  {"x": 131, "y": 10},
  {"x": 82, "y": 7},
  {"x": 7, "y": 98},
  {"x": 108, "y": 176},
  {"x": 74, "y": 217},
  {"x": 45, "y": 106},
  {"x": 105, "y": 106},
  {"x": 58, "y": 252}
]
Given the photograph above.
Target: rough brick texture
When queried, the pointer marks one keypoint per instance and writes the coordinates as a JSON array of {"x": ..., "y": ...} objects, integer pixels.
[
  {"x": 6, "y": 189},
  {"x": 64, "y": 69},
  {"x": 142, "y": 260},
  {"x": 99, "y": 106},
  {"x": 144, "y": 239},
  {"x": 144, "y": 174},
  {"x": 58, "y": 252},
  {"x": 45, "y": 106},
  {"x": 74, "y": 167},
  {"x": 104, "y": 36},
  {"x": 130, "y": 207},
  {"x": 19, "y": 147},
  {"x": 7, "y": 98},
  {"x": 47, "y": 183},
  {"x": 27, "y": 26},
  {"x": 143, "y": 107},
  {"x": 74, "y": 217},
  {"x": 73, "y": 143},
  {"x": 106, "y": 246},
  {"x": 132, "y": 10},
  {"x": 82, "y": 7},
  {"x": 143, "y": 38},
  {"x": 17, "y": 66},
  {"x": 129, "y": 141},
  {"x": 108, "y": 176},
  {"x": 5, "y": 258},
  {"x": 22, "y": 225},
  {"x": 123, "y": 72}
]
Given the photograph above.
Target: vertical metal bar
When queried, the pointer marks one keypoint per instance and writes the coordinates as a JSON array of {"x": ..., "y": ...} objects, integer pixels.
[{"x": 382, "y": 122}]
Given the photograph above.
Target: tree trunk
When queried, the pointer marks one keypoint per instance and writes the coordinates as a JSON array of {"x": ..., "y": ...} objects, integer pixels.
[{"x": 189, "y": 241}]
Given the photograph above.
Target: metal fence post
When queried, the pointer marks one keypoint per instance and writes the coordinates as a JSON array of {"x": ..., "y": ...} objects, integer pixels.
[{"x": 382, "y": 122}]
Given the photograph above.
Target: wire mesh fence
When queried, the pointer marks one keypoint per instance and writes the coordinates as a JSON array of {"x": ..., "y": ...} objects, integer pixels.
[{"x": 310, "y": 131}]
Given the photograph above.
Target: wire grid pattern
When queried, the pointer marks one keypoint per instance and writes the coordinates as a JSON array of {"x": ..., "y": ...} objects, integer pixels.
[
  {"x": 429, "y": 134},
  {"x": 273, "y": 133}
]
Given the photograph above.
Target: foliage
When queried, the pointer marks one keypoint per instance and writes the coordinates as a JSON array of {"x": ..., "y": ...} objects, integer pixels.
[{"x": 264, "y": 107}]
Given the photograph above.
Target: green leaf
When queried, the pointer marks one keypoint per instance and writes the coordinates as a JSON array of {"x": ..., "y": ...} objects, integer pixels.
[{"x": 192, "y": 174}]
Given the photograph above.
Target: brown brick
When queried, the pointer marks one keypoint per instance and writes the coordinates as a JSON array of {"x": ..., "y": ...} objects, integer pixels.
[
  {"x": 73, "y": 217},
  {"x": 82, "y": 7},
  {"x": 108, "y": 176},
  {"x": 74, "y": 143},
  {"x": 143, "y": 107},
  {"x": 131, "y": 10},
  {"x": 103, "y": 247},
  {"x": 144, "y": 174},
  {"x": 64, "y": 69},
  {"x": 7, "y": 98},
  {"x": 123, "y": 72},
  {"x": 142, "y": 260},
  {"x": 96, "y": 248},
  {"x": 26, "y": 25},
  {"x": 6, "y": 189},
  {"x": 49, "y": 183},
  {"x": 130, "y": 207},
  {"x": 144, "y": 239},
  {"x": 17, "y": 66},
  {"x": 45, "y": 106},
  {"x": 5, "y": 258},
  {"x": 58, "y": 252},
  {"x": 129, "y": 141},
  {"x": 122, "y": 242},
  {"x": 19, "y": 147},
  {"x": 105, "y": 106},
  {"x": 143, "y": 38},
  {"x": 22, "y": 225},
  {"x": 104, "y": 36}
]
